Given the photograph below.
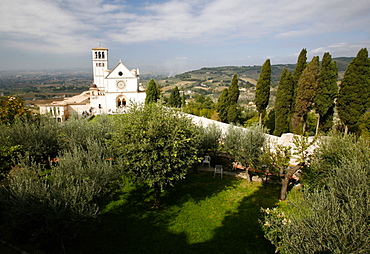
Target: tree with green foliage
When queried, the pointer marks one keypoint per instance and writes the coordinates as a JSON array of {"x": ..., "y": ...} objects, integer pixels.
[
  {"x": 263, "y": 89},
  {"x": 245, "y": 144},
  {"x": 233, "y": 114},
  {"x": 283, "y": 103},
  {"x": 364, "y": 125},
  {"x": 300, "y": 66},
  {"x": 49, "y": 207},
  {"x": 306, "y": 92},
  {"x": 7, "y": 156},
  {"x": 354, "y": 93},
  {"x": 12, "y": 107},
  {"x": 155, "y": 145},
  {"x": 326, "y": 93},
  {"x": 201, "y": 106},
  {"x": 211, "y": 137},
  {"x": 331, "y": 214},
  {"x": 298, "y": 70},
  {"x": 175, "y": 98},
  {"x": 269, "y": 121},
  {"x": 183, "y": 101},
  {"x": 233, "y": 94},
  {"x": 227, "y": 105},
  {"x": 40, "y": 139},
  {"x": 222, "y": 105},
  {"x": 330, "y": 155},
  {"x": 152, "y": 92}
]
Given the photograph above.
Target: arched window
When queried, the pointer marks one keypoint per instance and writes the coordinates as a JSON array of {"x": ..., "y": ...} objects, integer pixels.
[{"x": 121, "y": 102}]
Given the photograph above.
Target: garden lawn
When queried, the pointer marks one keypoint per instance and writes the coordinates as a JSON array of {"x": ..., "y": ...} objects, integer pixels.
[{"x": 201, "y": 214}]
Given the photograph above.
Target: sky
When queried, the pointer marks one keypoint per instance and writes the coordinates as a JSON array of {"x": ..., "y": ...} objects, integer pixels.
[{"x": 175, "y": 36}]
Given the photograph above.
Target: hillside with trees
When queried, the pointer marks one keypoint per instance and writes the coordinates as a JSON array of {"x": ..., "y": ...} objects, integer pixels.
[{"x": 311, "y": 100}]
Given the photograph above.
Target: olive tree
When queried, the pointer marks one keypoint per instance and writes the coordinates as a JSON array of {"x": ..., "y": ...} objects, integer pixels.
[
  {"x": 155, "y": 145},
  {"x": 49, "y": 205},
  {"x": 331, "y": 215},
  {"x": 245, "y": 144},
  {"x": 39, "y": 138}
]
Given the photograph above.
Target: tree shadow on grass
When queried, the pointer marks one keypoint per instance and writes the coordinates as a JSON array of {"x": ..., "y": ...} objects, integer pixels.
[
  {"x": 131, "y": 226},
  {"x": 196, "y": 187},
  {"x": 241, "y": 231}
]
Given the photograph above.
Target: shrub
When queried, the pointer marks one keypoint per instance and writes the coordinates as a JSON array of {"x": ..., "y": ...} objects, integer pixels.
[
  {"x": 245, "y": 144},
  {"x": 333, "y": 214},
  {"x": 331, "y": 153},
  {"x": 52, "y": 206},
  {"x": 79, "y": 131},
  {"x": 211, "y": 137},
  {"x": 7, "y": 156},
  {"x": 40, "y": 139}
]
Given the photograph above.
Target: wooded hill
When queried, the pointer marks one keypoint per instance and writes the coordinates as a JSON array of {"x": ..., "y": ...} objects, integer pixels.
[{"x": 214, "y": 79}]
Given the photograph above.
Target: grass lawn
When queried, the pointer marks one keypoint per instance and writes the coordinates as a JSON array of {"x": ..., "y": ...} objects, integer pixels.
[{"x": 201, "y": 214}]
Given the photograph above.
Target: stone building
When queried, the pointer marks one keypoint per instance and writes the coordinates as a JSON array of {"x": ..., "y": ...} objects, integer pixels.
[{"x": 110, "y": 92}]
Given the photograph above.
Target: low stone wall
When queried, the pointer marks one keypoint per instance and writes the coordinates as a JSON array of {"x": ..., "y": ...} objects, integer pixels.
[{"x": 285, "y": 140}]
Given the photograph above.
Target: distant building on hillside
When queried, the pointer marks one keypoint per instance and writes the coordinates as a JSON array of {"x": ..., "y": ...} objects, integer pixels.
[{"x": 110, "y": 92}]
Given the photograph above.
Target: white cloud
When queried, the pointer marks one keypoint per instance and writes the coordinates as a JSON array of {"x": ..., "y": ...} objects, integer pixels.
[
  {"x": 229, "y": 19},
  {"x": 71, "y": 26},
  {"x": 41, "y": 26},
  {"x": 320, "y": 50},
  {"x": 346, "y": 49}
]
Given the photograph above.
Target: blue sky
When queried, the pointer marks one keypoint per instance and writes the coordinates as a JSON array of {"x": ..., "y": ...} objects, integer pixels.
[{"x": 177, "y": 35}]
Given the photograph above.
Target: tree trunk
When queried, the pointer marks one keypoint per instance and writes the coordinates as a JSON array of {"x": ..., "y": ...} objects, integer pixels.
[
  {"x": 157, "y": 195},
  {"x": 303, "y": 121},
  {"x": 284, "y": 188},
  {"x": 249, "y": 175},
  {"x": 317, "y": 124},
  {"x": 285, "y": 181},
  {"x": 260, "y": 119}
]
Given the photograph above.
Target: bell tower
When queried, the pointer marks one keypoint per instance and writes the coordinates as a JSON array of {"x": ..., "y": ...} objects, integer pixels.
[{"x": 100, "y": 65}]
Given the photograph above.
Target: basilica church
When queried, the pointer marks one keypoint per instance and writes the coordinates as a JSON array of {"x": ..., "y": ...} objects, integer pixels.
[{"x": 110, "y": 93}]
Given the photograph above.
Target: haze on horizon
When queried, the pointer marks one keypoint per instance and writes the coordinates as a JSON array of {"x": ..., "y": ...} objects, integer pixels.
[{"x": 176, "y": 35}]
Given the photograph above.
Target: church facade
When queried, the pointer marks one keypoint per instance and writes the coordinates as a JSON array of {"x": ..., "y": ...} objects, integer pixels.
[{"x": 110, "y": 93}]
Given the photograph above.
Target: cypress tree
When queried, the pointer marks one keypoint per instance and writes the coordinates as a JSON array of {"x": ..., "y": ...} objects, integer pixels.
[
  {"x": 183, "y": 101},
  {"x": 232, "y": 114},
  {"x": 234, "y": 91},
  {"x": 269, "y": 123},
  {"x": 222, "y": 105},
  {"x": 283, "y": 103},
  {"x": 299, "y": 68},
  {"x": 175, "y": 98},
  {"x": 354, "y": 94},
  {"x": 326, "y": 93},
  {"x": 306, "y": 92},
  {"x": 263, "y": 89},
  {"x": 152, "y": 92}
]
